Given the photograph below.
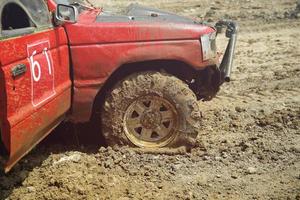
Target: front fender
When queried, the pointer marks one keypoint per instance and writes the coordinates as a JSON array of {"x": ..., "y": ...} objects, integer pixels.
[{"x": 93, "y": 65}]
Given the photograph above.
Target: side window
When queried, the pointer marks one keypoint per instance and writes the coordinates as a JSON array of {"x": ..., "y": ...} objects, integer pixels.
[
  {"x": 19, "y": 17},
  {"x": 15, "y": 21},
  {"x": 14, "y": 17}
]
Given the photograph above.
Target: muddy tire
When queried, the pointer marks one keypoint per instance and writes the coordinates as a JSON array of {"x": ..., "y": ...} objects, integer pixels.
[{"x": 151, "y": 109}]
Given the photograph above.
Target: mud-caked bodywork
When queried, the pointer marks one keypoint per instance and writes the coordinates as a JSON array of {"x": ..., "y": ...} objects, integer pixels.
[
  {"x": 68, "y": 68},
  {"x": 103, "y": 43}
]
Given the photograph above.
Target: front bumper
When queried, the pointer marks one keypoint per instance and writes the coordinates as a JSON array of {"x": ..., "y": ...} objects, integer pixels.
[{"x": 227, "y": 61}]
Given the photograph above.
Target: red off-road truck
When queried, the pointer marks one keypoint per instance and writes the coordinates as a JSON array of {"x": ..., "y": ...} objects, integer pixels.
[{"x": 137, "y": 74}]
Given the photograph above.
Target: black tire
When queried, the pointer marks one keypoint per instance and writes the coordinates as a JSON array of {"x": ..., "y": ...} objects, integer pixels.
[{"x": 169, "y": 97}]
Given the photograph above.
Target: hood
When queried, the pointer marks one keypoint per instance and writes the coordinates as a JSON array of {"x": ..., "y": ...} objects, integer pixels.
[
  {"x": 135, "y": 24},
  {"x": 136, "y": 12}
]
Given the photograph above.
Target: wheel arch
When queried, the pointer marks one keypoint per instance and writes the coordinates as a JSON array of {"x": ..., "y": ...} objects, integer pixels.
[{"x": 208, "y": 76}]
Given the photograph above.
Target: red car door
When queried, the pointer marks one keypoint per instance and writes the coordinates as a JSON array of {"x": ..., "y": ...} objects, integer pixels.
[{"x": 35, "y": 85}]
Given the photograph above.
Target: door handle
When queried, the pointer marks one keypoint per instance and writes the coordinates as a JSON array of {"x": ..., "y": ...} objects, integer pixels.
[{"x": 18, "y": 70}]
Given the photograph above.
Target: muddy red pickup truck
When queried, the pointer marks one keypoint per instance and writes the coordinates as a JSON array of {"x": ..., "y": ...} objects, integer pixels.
[{"x": 138, "y": 75}]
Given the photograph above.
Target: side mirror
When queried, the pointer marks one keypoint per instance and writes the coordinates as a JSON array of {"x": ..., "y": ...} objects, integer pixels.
[{"x": 65, "y": 14}]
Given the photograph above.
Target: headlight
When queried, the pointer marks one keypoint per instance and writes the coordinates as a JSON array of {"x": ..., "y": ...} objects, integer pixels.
[{"x": 208, "y": 44}]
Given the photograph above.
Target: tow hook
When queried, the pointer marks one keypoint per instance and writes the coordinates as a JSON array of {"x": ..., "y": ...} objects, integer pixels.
[{"x": 231, "y": 33}]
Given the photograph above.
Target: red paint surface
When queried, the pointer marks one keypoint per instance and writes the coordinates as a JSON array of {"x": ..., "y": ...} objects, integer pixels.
[
  {"x": 51, "y": 5},
  {"x": 98, "y": 49},
  {"x": 29, "y": 107}
]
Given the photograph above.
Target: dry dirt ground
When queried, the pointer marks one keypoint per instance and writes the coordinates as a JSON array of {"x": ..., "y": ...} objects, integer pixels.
[{"x": 249, "y": 146}]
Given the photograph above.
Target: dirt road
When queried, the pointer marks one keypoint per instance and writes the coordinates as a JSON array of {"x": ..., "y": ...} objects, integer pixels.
[{"x": 250, "y": 142}]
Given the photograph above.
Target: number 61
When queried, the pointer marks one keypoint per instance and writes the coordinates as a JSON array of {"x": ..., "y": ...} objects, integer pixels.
[{"x": 35, "y": 65}]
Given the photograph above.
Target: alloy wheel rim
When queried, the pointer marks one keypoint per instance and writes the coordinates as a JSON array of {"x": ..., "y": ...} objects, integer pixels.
[{"x": 151, "y": 121}]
